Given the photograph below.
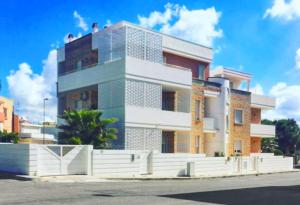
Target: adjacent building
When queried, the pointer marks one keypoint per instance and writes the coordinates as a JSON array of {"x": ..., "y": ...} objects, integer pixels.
[
  {"x": 37, "y": 134},
  {"x": 9, "y": 122},
  {"x": 162, "y": 91}
]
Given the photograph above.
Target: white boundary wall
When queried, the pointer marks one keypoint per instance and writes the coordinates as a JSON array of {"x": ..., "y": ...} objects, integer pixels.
[
  {"x": 117, "y": 163},
  {"x": 44, "y": 160},
  {"x": 173, "y": 164},
  {"x": 18, "y": 158}
]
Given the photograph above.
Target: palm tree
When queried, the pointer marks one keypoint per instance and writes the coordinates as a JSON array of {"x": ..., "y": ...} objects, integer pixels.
[{"x": 87, "y": 127}]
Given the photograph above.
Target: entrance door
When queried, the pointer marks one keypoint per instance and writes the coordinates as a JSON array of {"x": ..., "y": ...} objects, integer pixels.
[{"x": 168, "y": 142}]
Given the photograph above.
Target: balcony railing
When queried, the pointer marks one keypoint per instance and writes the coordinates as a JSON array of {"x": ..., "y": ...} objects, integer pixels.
[
  {"x": 259, "y": 130},
  {"x": 209, "y": 125},
  {"x": 262, "y": 101}
]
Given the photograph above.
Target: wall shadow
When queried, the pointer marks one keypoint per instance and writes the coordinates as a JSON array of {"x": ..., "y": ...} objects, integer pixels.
[{"x": 249, "y": 196}]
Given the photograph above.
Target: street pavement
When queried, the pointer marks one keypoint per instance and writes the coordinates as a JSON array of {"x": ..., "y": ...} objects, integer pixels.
[{"x": 283, "y": 188}]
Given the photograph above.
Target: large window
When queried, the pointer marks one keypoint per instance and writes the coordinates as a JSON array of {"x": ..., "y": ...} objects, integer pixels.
[
  {"x": 197, "y": 110},
  {"x": 201, "y": 71},
  {"x": 238, "y": 117}
]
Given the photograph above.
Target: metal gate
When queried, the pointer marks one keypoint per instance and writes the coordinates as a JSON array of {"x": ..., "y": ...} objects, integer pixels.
[{"x": 62, "y": 160}]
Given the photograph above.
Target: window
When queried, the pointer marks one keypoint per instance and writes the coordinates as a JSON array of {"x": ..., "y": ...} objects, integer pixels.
[
  {"x": 238, "y": 147},
  {"x": 5, "y": 113},
  {"x": 227, "y": 123},
  {"x": 197, "y": 144},
  {"x": 238, "y": 117},
  {"x": 201, "y": 71},
  {"x": 197, "y": 110}
]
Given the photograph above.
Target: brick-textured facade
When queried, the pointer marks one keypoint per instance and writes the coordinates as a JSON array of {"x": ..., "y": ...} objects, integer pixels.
[
  {"x": 255, "y": 144},
  {"x": 255, "y": 115},
  {"x": 197, "y": 125},
  {"x": 240, "y": 132}
]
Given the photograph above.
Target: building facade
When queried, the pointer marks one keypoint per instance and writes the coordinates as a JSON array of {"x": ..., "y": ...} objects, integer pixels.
[
  {"x": 9, "y": 122},
  {"x": 162, "y": 91}
]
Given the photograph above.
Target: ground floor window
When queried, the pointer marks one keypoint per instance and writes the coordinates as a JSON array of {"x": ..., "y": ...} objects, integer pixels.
[
  {"x": 168, "y": 142},
  {"x": 198, "y": 144},
  {"x": 238, "y": 147}
]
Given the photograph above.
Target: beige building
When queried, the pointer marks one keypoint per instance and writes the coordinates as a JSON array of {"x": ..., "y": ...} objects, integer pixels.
[{"x": 6, "y": 114}]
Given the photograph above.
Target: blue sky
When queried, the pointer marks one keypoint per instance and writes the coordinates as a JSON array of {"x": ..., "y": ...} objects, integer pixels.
[{"x": 250, "y": 38}]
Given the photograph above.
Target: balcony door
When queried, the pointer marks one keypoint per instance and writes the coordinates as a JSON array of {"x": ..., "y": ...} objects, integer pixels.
[
  {"x": 168, "y": 100},
  {"x": 168, "y": 141}
]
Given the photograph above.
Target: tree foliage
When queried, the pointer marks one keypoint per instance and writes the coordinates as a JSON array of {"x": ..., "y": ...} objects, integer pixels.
[
  {"x": 87, "y": 127},
  {"x": 9, "y": 137},
  {"x": 287, "y": 136}
]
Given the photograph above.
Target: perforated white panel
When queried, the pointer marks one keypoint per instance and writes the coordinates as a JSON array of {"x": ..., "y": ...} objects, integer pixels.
[
  {"x": 143, "y": 94},
  {"x": 143, "y": 139},
  {"x": 153, "y": 139},
  {"x": 134, "y": 138},
  {"x": 154, "y": 47},
  {"x": 152, "y": 95},
  {"x": 135, "y": 93},
  {"x": 144, "y": 45}
]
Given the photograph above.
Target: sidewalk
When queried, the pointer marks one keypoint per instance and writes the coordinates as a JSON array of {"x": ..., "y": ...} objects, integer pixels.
[{"x": 97, "y": 179}]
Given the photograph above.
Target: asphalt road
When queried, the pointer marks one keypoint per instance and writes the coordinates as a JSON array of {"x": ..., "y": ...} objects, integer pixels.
[{"x": 264, "y": 189}]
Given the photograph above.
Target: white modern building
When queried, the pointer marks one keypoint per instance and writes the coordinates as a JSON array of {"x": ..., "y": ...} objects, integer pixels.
[{"x": 162, "y": 91}]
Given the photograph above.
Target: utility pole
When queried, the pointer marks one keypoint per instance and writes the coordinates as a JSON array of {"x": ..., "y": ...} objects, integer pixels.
[{"x": 45, "y": 99}]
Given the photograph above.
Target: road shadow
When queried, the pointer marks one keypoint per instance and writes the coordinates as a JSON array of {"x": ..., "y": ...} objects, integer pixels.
[
  {"x": 6, "y": 175},
  {"x": 258, "y": 196}
]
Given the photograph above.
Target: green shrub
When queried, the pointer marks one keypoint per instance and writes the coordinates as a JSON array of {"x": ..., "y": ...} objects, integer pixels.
[{"x": 9, "y": 137}]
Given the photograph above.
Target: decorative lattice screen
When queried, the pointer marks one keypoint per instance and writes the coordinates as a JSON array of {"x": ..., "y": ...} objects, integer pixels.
[
  {"x": 143, "y": 94},
  {"x": 143, "y": 139},
  {"x": 144, "y": 45}
]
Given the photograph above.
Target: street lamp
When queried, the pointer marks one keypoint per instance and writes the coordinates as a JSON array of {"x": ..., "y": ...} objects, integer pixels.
[{"x": 45, "y": 99}]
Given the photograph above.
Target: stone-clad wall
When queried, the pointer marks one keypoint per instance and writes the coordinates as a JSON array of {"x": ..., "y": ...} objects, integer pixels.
[
  {"x": 197, "y": 125},
  {"x": 241, "y": 101},
  {"x": 255, "y": 115}
]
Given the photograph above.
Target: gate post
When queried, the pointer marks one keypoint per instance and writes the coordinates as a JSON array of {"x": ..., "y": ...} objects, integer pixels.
[{"x": 89, "y": 159}]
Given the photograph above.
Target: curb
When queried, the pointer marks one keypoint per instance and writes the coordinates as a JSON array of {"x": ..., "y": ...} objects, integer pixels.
[{"x": 6, "y": 175}]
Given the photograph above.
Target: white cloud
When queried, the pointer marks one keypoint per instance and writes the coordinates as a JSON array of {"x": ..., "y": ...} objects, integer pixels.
[
  {"x": 287, "y": 100},
  {"x": 257, "y": 89},
  {"x": 297, "y": 58},
  {"x": 28, "y": 89},
  {"x": 286, "y": 10},
  {"x": 199, "y": 25},
  {"x": 80, "y": 21}
]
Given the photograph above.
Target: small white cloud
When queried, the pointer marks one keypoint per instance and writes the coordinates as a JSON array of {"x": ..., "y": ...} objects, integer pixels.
[
  {"x": 287, "y": 102},
  {"x": 257, "y": 89},
  {"x": 80, "y": 21},
  {"x": 28, "y": 89},
  {"x": 286, "y": 10},
  {"x": 199, "y": 25},
  {"x": 297, "y": 58}
]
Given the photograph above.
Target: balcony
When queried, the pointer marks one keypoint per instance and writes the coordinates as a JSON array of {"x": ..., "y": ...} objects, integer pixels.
[
  {"x": 263, "y": 102},
  {"x": 209, "y": 125},
  {"x": 159, "y": 73},
  {"x": 265, "y": 131},
  {"x": 157, "y": 118}
]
